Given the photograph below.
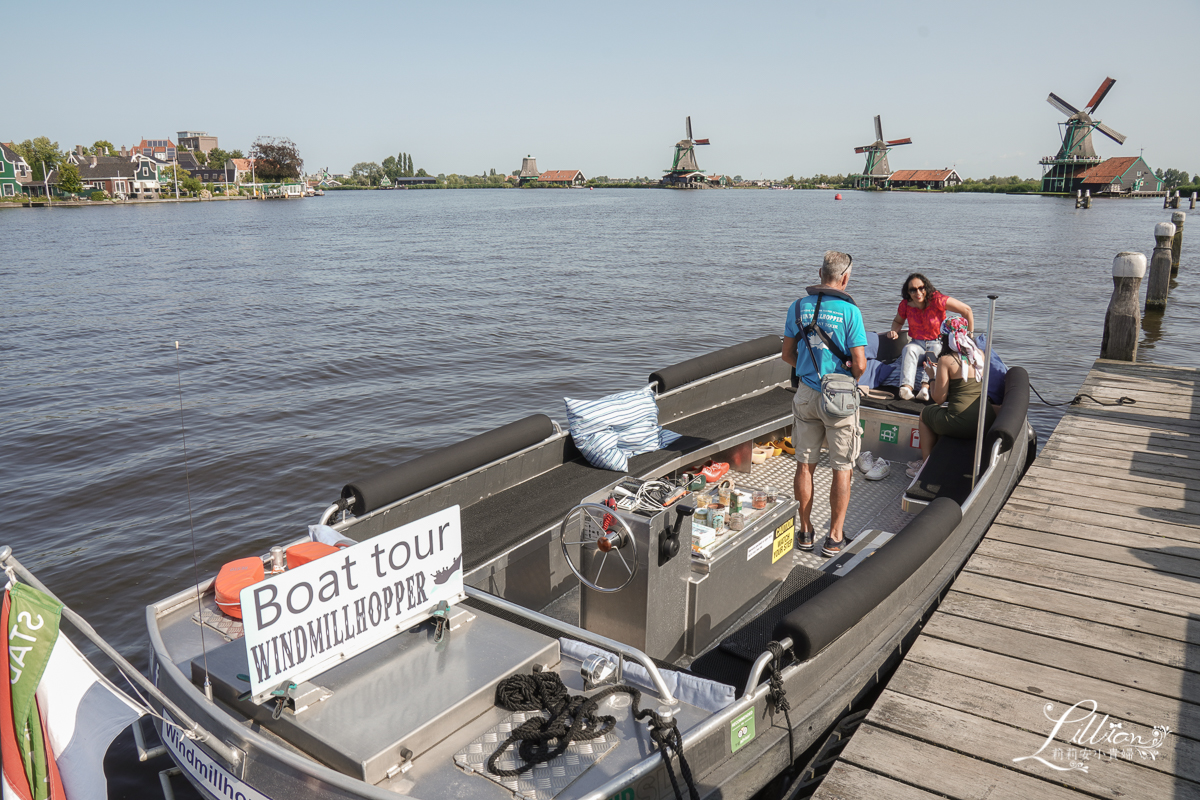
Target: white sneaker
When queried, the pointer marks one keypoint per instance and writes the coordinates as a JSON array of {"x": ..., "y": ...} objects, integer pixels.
[
  {"x": 865, "y": 461},
  {"x": 879, "y": 470},
  {"x": 914, "y": 467},
  {"x": 924, "y": 393},
  {"x": 906, "y": 393}
]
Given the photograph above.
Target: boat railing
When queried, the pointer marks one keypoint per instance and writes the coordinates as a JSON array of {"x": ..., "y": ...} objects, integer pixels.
[
  {"x": 192, "y": 729},
  {"x": 993, "y": 460},
  {"x": 632, "y": 653},
  {"x": 760, "y": 665}
]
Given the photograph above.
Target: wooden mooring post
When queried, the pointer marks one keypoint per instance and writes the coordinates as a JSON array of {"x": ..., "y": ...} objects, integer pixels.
[
  {"x": 1192, "y": 205},
  {"x": 1083, "y": 199},
  {"x": 1177, "y": 240},
  {"x": 1123, "y": 320},
  {"x": 1159, "y": 283}
]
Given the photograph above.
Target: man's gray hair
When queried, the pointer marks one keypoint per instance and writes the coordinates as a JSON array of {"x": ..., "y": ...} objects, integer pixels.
[{"x": 836, "y": 265}]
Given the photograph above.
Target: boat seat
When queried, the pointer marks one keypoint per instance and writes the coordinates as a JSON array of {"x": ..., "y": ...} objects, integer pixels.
[
  {"x": 505, "y": 519},
  {"x": 731, "y": 660},
  {"x": 948, "y": 472}
]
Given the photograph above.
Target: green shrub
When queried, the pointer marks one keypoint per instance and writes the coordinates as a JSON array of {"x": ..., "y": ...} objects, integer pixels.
[{"x": 99, "y": 195}]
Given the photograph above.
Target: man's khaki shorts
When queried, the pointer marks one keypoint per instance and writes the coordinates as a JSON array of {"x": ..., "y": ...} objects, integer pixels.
[{"x": 811, "y": 428}]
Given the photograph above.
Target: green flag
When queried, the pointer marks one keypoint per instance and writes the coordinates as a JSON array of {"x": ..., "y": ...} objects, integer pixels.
[{"x": 32, "y": 631}]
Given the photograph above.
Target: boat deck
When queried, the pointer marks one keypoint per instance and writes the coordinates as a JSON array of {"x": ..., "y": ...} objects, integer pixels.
[
  {"x": 1082, "y": 603},
  {"x": 874, "y": 516}
]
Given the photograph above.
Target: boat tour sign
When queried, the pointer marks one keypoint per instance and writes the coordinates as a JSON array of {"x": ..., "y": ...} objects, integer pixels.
[{"x": 305, "y": 620}]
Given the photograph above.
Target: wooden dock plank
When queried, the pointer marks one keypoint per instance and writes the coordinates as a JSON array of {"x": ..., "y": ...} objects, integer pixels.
[
  {"x": 1086, "y": 589},
  {"x": 1119, "y": 582},
  {"x": 1118, "y": 433},
  {"x": 940, "y": 670},
  {"x": 1087, "y": 557},
  {"x": 1033, "y": 714},
  {"x": 999, "y": 743},
  {"x": 1186, "y": 503},
  {"x": 1110, "y": 440},
  {"x": 1134, "y": 468},
  {"x": 1060, "y": 496},
  {"x": 848, "y": 782},
  {"x": 944, "y": 770},
  {"x": 1056, "y": 514},
  {"x": 1121, "y": 670},
  {"x": 1077, "y": 604},
  {"x": 1146, "y": 419},
  {"x": 1054, "y": 624},
  {"x": 1053, "y": 470}
]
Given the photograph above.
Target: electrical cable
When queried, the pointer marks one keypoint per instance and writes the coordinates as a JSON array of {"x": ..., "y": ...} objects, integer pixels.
[
  {"x": 1120, "y": 401},
  {"x": 650, "y": 496}
]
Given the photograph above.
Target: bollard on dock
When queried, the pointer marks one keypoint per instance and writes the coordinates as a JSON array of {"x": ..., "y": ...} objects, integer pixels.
[
  {"x": 1159, "y": 283},
  {"x": 1177, "y": 240},
  {"x": 1123, "y": 320}
]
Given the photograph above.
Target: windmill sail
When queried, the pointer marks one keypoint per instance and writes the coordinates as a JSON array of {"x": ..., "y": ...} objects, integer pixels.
[
  {"x": 1061, "y": 105},
  {"x": 1119, "y": 138},
  {"x": 1100, "y": 94}
]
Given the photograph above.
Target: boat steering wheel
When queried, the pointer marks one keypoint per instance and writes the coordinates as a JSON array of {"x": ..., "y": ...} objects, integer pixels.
[{"x": 612, "y": 543}]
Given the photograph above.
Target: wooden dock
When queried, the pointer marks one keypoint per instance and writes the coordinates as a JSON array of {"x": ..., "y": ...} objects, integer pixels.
[{"x": 1083, "y": 597}]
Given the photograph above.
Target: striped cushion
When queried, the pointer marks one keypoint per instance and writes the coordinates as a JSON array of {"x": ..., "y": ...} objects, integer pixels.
[{"x": 610, "y": 430}]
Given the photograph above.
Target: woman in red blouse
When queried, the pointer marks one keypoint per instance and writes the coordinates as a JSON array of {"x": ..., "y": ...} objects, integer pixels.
[{"x": 924, "y": 307}]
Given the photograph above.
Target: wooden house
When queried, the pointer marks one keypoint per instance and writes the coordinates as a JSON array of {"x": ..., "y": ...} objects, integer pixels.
[
  {"x": 1117, "y": 176},
  {"x": 924, "y": 178},
  {"x": 14, "y": 172},
  {"x": 562, "y": 177}
]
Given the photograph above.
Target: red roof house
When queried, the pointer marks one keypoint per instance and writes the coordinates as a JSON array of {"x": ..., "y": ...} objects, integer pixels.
[
  {"x": 925, "y": 178},
  {"x": 562, "y": 177}
]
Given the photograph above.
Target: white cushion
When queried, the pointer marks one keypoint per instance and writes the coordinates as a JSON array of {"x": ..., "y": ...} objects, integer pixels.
[{"x": 612, "y": 429}]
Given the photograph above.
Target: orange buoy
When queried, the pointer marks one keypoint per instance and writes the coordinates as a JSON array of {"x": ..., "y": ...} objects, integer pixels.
[
  {"x": 233, "y": 577},
  {"x": 837, "y": 196},
  {"x": 306, "y": 552}
]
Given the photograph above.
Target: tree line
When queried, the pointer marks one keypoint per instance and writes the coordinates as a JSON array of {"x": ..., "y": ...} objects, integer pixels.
[{"x": 370, "y": 173}]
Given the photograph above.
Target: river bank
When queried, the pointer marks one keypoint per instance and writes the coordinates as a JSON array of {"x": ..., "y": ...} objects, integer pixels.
[{"x": 43, "y": 203}]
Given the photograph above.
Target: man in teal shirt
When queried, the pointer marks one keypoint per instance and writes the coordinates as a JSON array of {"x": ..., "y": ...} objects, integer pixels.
[{"x": 842, "y": 321}]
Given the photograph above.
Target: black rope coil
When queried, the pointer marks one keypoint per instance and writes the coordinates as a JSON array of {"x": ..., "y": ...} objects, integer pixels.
[{"x": 574, "y": 719}]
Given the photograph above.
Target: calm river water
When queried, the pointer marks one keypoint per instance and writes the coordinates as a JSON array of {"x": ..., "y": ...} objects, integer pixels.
[{"x": 322, "y": 340}]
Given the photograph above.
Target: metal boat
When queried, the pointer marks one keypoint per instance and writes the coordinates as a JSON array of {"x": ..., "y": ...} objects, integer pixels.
[{"x": 740, "y": 652}]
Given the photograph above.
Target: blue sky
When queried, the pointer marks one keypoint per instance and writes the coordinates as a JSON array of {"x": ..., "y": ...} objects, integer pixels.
[{"x": 780, "y": 88}]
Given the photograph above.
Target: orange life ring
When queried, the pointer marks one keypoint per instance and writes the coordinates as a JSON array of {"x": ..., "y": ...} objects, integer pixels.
[{"x": 233, "y": 577}]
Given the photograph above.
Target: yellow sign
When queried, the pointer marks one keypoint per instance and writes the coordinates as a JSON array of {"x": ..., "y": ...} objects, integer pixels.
[{"x": 785, "y": 536}]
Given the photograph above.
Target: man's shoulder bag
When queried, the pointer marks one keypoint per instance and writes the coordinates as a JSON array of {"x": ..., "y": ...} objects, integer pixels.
[{"x": 839, "y": 393}]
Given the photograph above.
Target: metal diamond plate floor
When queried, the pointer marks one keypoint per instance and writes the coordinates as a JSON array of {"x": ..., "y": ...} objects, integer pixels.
[
  {"x": 542, "y": 781},
  {"x": 874, "y": 505}
]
